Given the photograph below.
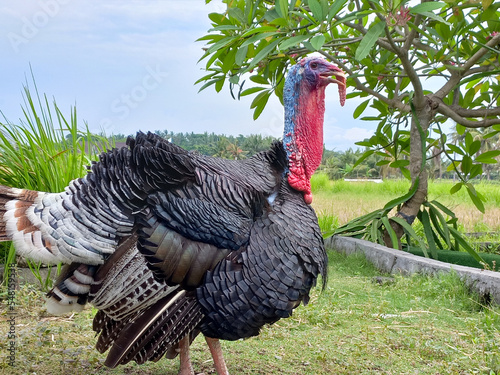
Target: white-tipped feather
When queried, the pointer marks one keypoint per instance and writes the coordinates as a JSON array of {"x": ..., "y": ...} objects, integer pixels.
[
  {"x": 23, "y": 243},
  {"x": 59, "y": 230},
  {"x": 76, "y": 288},
  {"x": 84, "y": 279},
  {"x": 9, "y": 218},
  {"x": 55, "y": 307}
]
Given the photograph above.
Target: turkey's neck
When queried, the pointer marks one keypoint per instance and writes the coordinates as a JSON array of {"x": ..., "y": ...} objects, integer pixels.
[{"x": 303, "y": 137}]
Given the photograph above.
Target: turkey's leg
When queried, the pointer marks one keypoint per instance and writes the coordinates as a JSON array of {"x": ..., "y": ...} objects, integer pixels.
[
  {"x": 216, "y": 350},
  {"x": 186, "y": 367}
]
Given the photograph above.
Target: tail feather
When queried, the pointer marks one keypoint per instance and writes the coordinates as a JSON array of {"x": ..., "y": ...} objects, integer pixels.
[
  {"x": 156, "y": 330},
  {"x": 71, "y": 289},
  {"x": 21, "y": 212},
  {"x": 10, "y": 210},
  {"x": 68, "y": 227}
]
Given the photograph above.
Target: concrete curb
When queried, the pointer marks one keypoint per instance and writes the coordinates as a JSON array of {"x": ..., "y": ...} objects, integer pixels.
[{"x": 485, "y": 283}]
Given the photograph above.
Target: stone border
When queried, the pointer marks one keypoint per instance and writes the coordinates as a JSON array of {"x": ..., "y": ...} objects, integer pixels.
[{"x": 486, "y": 283}]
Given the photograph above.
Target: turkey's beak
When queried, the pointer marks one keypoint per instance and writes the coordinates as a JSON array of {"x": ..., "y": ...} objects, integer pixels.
[{"x": 336, "y": 75}]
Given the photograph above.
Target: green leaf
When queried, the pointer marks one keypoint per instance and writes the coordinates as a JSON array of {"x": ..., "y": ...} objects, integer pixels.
[
  {"x": 234, "y": 79},
  {"x": 259, "y": 79},
  {"x": 453, "y": 165},
  {"x": 374, "y": 230},
  {"x": 487, "y": 157},
  {"x": 474, "y": 147},
  {"x": 468, "y": 141},
  {"x": 363, "y": 157},
  {"x": 335, "y": 8},
  {"x": 257, "y": 37},
  {"x": 259, "y": 103},
  {"x": 237, "y": 13},
  {"x": 221, "y": 44},
  {"x": 316, "y": 9},
  {"x": 207, "y": 84},
  {"x": 205, "y": 78},
  {"x": 439, "y": 223},
  {"x": 251, "y": 90},
  {"x": 279, "y": 22},
  {"x": 391, "y": 232},
  {"x": 434, "y": 17},
  {"x": 365, "y": 143},
  {"x": 406, "y": 173},
  {"x": 408, "y": 229},
  {"x": 462, "y": 242},
  {"x": 399, "y": 163},
  {"x": 282, "y": 8},
  {"x": 219, "y": 84},
  {"x": 400, "y": 200},
  {"x": 216, "y": 17},
  {"x": 476, "y": 170},
  {"x": 228, "y": 61},
  {"x": 292, "y": 42},
  {"x": 241, "y": 55},
  {"x": 426, "y": 223},
  {"x": 491, "y": 134},
  {"x": 456, "y": 188},
  {"x": 445, "y": 209},
  {"x": 360, "y": 108},
  {"x": 369, "y": 40},
  {"x": 460, "y": 129},
  {"x": 260, "y": 30},
  {"x": 474, "y": 198},
  {"x": 264, "y": 52},
  {"x": 426, "y": 7},
  {"x": 317, "y": 41},
  {"x": 466, "y": 164},
  {"x": 224, "y": 27},
  {"x": 382, "y": 162},
  {"x": 455, "y": 149}
]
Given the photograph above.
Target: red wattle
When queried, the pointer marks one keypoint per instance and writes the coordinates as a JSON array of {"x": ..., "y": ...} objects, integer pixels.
[{"x": 307, "y": 141}]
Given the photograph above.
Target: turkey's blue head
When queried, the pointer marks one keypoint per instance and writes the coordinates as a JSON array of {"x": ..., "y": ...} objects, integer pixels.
[{"x": 304, "y": 99}]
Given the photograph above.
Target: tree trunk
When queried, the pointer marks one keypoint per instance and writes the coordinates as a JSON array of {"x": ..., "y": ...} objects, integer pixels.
[{"x": 410, "y": 208}]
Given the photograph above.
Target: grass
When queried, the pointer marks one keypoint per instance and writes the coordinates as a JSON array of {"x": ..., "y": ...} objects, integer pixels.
[
  {"x": 417, "y": 325},
  {"x": 44, "y": 151}
]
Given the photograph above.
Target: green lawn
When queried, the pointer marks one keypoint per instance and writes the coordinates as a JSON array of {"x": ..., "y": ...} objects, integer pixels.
[{"x": 415, "y": 325}]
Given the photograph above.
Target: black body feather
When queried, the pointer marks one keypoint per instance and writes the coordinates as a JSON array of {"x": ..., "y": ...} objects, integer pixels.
[{"x": 166, "y": 243}]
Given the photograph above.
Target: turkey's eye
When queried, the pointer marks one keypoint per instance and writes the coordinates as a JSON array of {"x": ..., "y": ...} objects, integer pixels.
[{"x": 314, "y": 65}]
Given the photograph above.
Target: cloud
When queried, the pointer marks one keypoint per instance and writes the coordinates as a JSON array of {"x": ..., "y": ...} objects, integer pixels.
[
  {"x": 357, "y": 134},
  {"x": 99, "y": 55}
]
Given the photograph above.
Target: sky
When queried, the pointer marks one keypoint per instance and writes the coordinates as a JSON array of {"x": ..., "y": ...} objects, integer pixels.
[{"x": 132, "y": 65}]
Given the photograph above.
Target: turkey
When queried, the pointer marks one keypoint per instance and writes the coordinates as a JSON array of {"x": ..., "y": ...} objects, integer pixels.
[{"x": 167, "y": 243}]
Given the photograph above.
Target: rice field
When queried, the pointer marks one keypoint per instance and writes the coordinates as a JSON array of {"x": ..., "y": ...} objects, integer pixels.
[{"x": 345, "y": 201}]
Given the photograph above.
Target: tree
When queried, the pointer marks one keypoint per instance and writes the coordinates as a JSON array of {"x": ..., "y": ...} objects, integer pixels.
[{"x": 417, "y": 63}]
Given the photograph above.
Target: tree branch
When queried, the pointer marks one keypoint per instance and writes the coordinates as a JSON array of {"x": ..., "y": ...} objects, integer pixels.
[
  {"x": 456, "y": 75},
  {"x": 482, "y": 69},
  {"x": 481, "y": 112},
  {"x": 413, "y": 33},
  {"x": 360, "y": 86},
  {"x": 482, "y": 51},
  {"x": 460, "y": 118},
  {"x": 402, "y": 53}
]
